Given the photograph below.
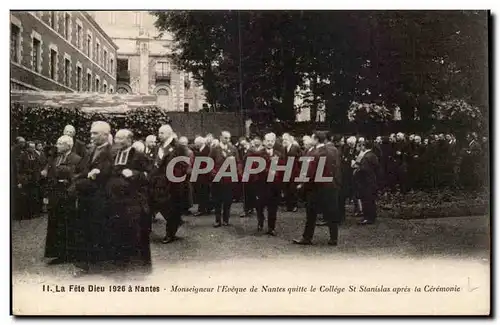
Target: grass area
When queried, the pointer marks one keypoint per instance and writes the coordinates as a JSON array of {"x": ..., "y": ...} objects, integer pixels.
[{"x": 435, "y": 204}]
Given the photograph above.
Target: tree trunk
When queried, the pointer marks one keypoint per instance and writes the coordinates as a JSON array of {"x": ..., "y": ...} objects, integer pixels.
[
  {"x": 314, "y": 106},
  {"x": 287, "y": 110}
]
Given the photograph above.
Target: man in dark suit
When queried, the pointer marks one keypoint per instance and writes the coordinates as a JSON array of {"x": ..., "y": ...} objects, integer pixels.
[
  {"x": 93, "y": 213},
  {"x": 151, "y": 149},
  {"x": 58, "y": 173},
  {"x": 17, "y": 152},
  {"x": 28, "y": 167},
  {"x": 128, "y": 209},
  {"x": 346, "y": 193},
  {"x": 168, "y": 196},
  {"x": 222, "y": 187},
  {"x": 290, "y": 188},
  {"x": 78, "y": 146},
  {"x": 269, "y": 192},
  {"x": 203, "y": 181},
  {"x": 322, "y": 190},
  {"x": 367, "y": 170},
  {"x": 401, "y": 151},
  {"x": 251, "y": 186}
]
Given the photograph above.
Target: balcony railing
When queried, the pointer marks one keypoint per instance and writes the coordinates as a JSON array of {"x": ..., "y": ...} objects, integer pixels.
[
  {"x": 163, "y": 76},
  {"x": 123, "y": 75}
]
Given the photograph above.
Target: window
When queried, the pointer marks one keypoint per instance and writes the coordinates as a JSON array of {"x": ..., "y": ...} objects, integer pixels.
[
  {"x": 112, "y": 17},
  {"x": 89, "y": 82},
  {"x": 186, "y": 107},
  {"x": 97, "y": 89},
  {"x": 53, "y": 19},
  {"x": 67, "y": 64},
  {"x": 79, "y": 36},
  {"x": 15, "y": 33},
  {"x": 137, "y": 18},
  {"x": 89, "y": 46},
  {"x": 111, "y": 65},
  {"x": 105, "y": 60},
  {"x": 97, "y": 49},
  {"x": 122, "y": 64},
  {"x": 67, "y": 21},
  {"x": 78, "y": 78},
  {"x": 111, "y": 89},
  {"x": 36, "y": 55},
  {"x": 162, "y": 68},
  {"x": 53, "y": 64},
  {"x": 104, "y": 88}
]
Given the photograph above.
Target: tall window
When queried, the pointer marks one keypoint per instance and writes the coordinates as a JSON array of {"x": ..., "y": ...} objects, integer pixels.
[
  {"x": 111, "y": 65},
  {"x": 53, "y": 64},
  {"x": 186, "y": 107},
  {"x": 79, "y": 78},
  {"x": 53, "y": 19},
  {"x": 162, "y": 68},
  {"x": 105, "y": 60},
  {"x": 89, "y": 46},
  {"x": 36, "y": 55},
  {"x": 14, "y": 42},
  {"x": 97, "y": 89},
  {"x": 104, "y": 88},
  {"x": 67, "y": 21},
  {"x": 137, "y": 18},
  {"x": 97, "y": 49},
  {"x": 89, "y": 82},
  {"x": 66, "y": 72},
  {"x": 112, "y": 17},
  {"x": 79, "y": 36}
]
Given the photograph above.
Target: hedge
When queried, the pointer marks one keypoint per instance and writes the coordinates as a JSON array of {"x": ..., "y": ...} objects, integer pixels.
[{"x": 47, "y": 123}]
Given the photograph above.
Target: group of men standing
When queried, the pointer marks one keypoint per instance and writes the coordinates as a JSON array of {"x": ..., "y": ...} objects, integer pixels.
[{"x": 103, "y": 197}]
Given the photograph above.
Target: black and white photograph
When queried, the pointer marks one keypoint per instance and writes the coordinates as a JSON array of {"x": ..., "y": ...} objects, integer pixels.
[{"x": 250, "y": 162}]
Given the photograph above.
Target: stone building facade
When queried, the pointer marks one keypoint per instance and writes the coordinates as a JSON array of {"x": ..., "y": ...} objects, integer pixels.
[
  {"x": 60, "y": 51},
  {"x": 143, "y": 66}
]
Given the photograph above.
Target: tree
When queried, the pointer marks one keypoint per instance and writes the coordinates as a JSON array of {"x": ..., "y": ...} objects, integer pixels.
[{"x": 258, "y": 59}]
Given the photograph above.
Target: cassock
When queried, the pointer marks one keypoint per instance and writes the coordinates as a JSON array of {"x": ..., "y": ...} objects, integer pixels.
[
  {"x": 269, "y": 193},
  {"x": 61, "y": 228},
  {"x": 222, "y": 189},
  {"x": 128, "y": 208},
  {"x": 93, "y": 206}
]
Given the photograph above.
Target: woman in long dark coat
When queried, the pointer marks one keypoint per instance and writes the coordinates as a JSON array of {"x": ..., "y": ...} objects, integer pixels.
[{"x": 60, "y": 240}]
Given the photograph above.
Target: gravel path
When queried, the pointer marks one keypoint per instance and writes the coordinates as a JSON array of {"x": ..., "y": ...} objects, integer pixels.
[
  {"x": 394, "y": 253},
  {"x": 464, "y": 238}
]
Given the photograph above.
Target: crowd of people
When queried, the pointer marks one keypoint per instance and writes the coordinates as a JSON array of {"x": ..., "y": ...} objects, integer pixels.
[{"x": 102, "y": 198}]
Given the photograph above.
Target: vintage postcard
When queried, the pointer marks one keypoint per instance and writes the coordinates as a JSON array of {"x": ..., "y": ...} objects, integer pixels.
[{"x": 235, "y": 162}]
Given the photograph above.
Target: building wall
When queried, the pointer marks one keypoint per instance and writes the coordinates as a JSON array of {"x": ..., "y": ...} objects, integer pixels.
[
  {"x": 39, "y": 25},
  {"x": 133, "y": 31}
]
